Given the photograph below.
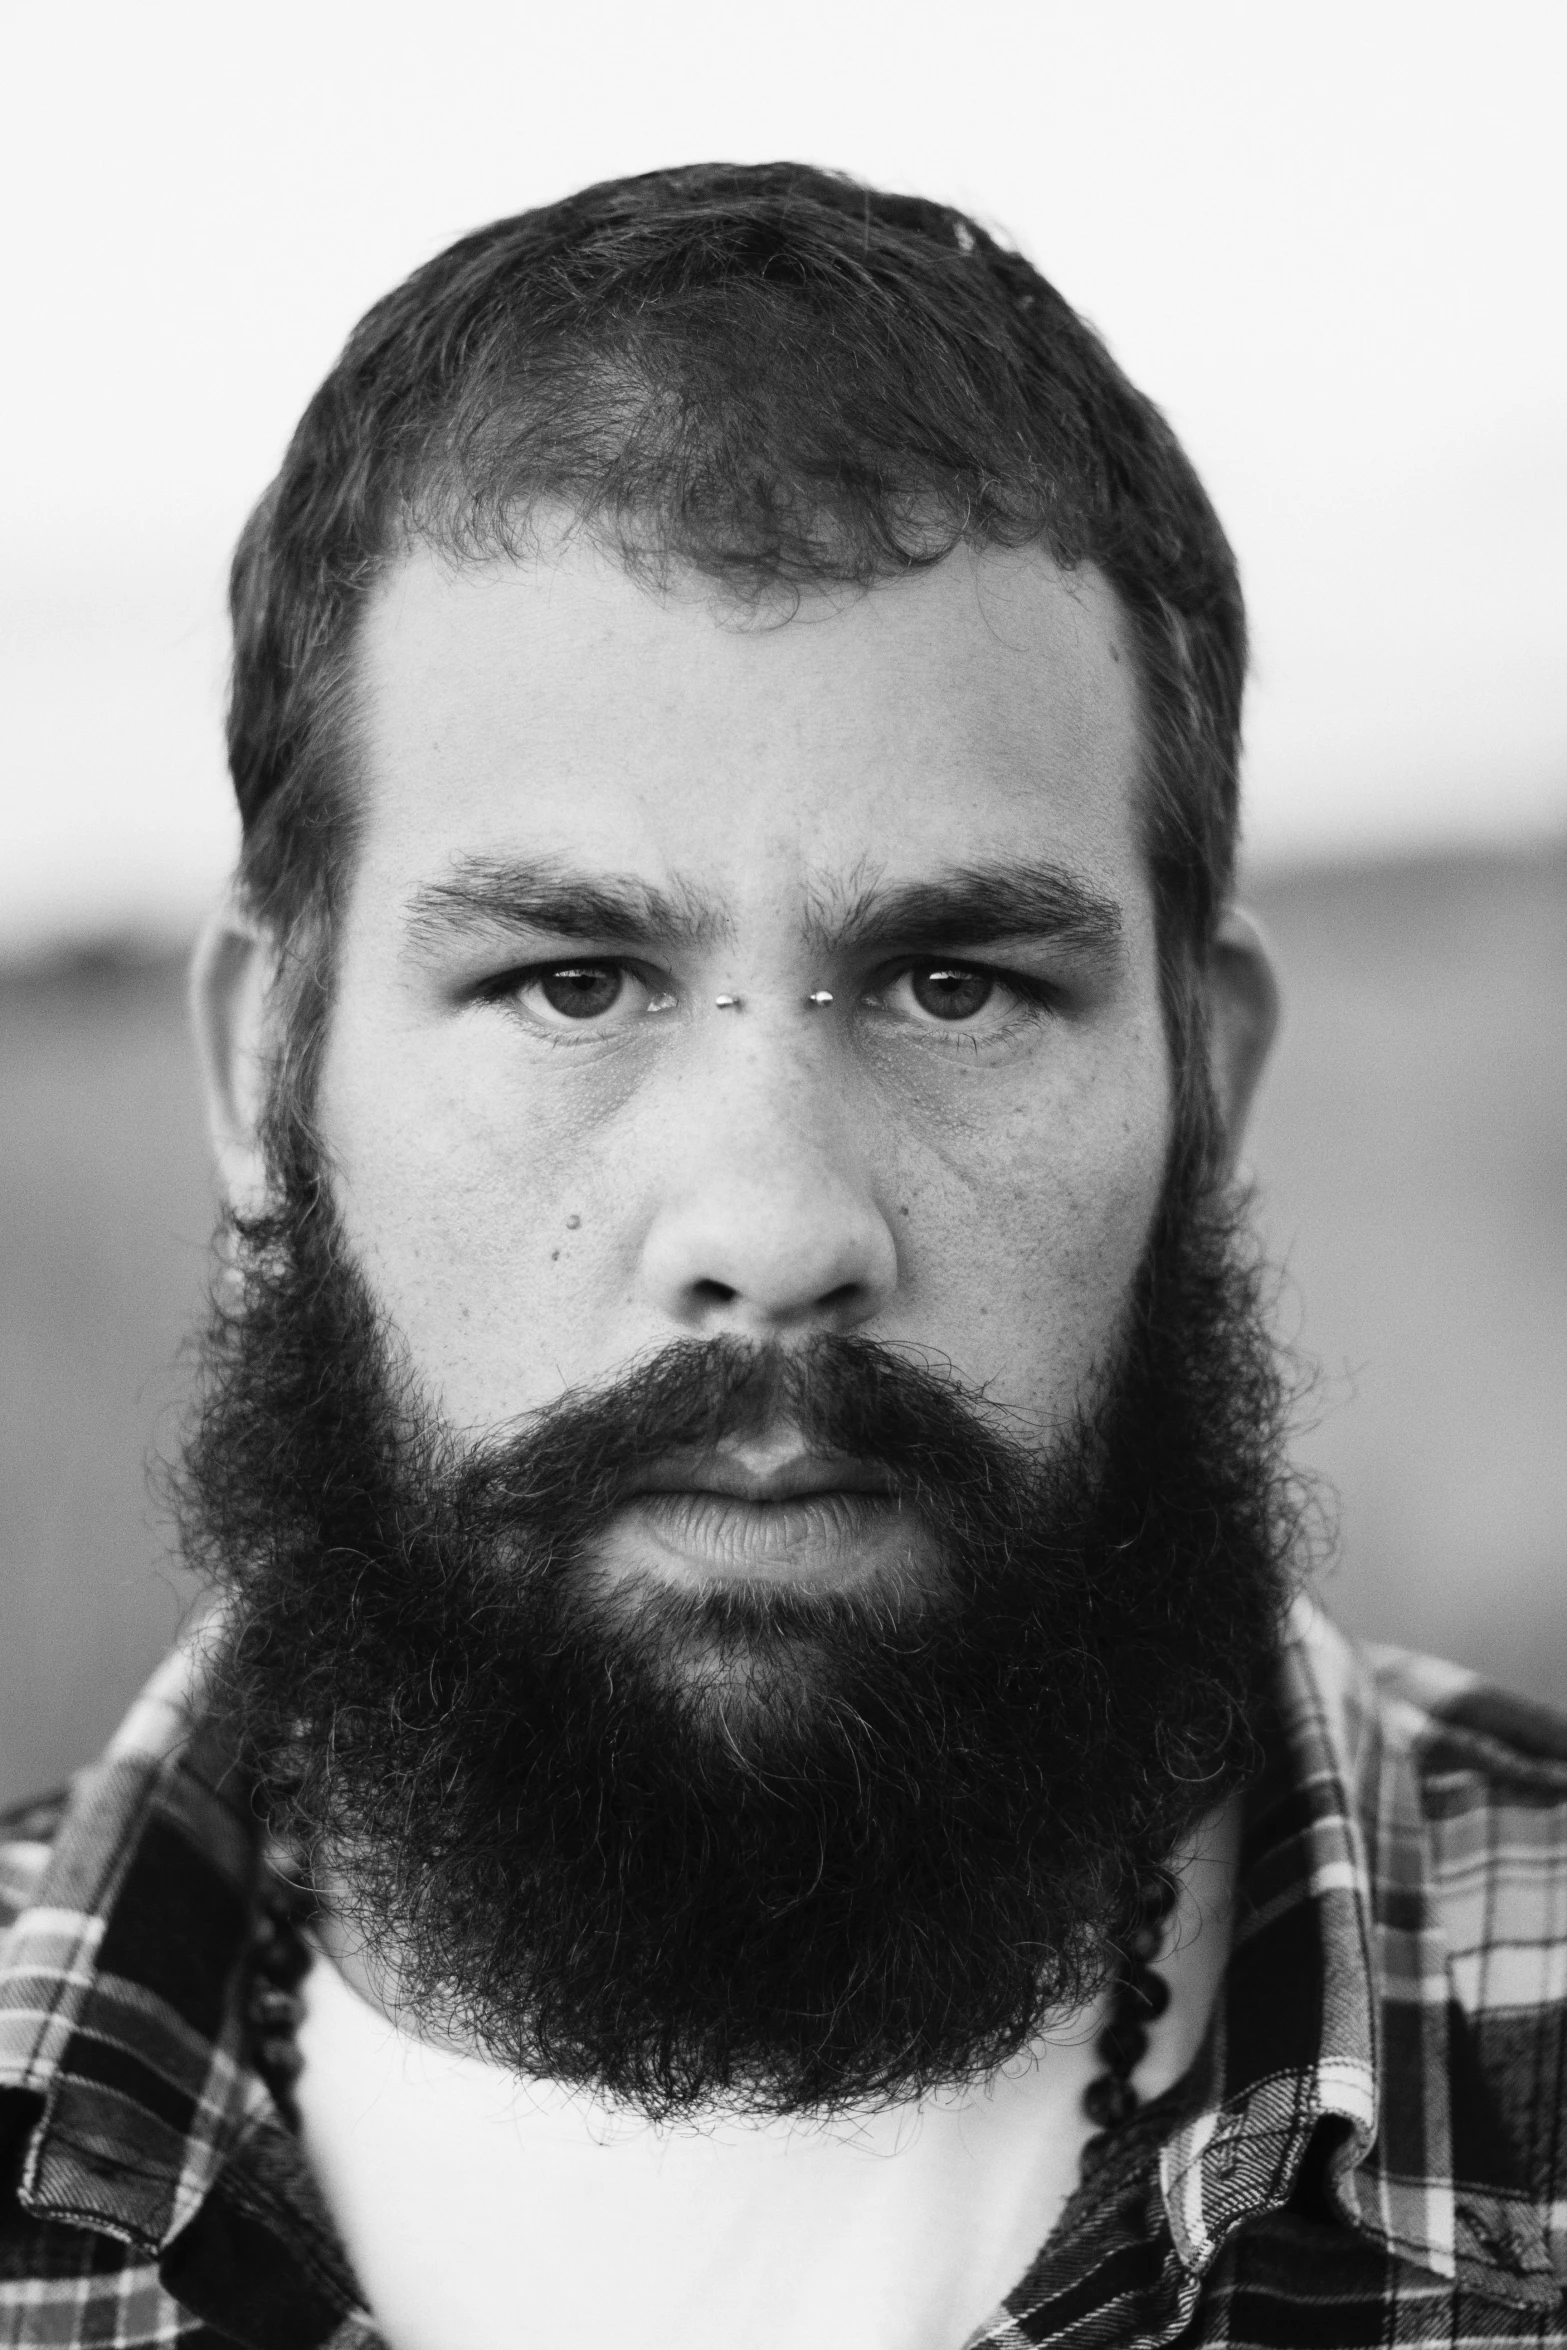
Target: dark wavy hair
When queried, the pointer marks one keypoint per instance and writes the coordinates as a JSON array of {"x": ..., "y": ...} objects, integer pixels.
[{"x": 770, "y": 373}]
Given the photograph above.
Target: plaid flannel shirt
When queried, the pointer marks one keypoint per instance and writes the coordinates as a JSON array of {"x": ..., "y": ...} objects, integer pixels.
[{"x": 1371, "y": 2149}]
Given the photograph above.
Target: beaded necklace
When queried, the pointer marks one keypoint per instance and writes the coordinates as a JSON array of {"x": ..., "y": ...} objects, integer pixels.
[{"x": 279, "y": 1960}]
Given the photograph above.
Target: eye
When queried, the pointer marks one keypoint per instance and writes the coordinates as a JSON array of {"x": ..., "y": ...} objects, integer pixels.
[
  {"x": 582, "y": 991},
  {"x": 949, "y": 991},
  {"x": 939, "y": 1001},
  {"x": 562, "y": 996},
  {"x": 950, "y": 994}
]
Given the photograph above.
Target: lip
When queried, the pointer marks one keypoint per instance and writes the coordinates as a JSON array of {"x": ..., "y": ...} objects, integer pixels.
[
  {"x": 827, "y": 1537},
  {"x": 763, "y": 1510},
  {"x": 760, "y": 1475}
]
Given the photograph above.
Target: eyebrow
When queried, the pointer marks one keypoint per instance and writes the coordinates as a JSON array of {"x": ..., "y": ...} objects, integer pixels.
[
  {"x": 970, "y": 905},
  {"x": 499, "y": 895},
  {"x": 974, "y": 905}
]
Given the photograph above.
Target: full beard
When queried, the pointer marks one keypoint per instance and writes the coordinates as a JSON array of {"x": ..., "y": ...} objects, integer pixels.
[{"x": 769, "y": 1849}]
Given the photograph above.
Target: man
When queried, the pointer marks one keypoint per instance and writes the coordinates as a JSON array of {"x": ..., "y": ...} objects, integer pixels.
[{"x": 753, "y": 1772}]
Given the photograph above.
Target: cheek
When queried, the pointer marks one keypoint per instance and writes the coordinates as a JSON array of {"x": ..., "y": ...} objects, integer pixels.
[
  {"x": 481, "y": 1224},
  {"x": 1025, "y": 1250}
]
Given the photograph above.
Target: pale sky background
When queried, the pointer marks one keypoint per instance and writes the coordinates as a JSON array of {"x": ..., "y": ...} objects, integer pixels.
[{"x": 1329, "y": 239}]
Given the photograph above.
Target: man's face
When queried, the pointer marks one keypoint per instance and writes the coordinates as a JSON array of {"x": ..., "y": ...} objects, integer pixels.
[
  {"x": 794, "y": 1380},
  {"x": 592, "y": 810}
]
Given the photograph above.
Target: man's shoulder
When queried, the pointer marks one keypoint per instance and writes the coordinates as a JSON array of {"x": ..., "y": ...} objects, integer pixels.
[
  {"x": 1460, "y": 1722},
  {"x": 1453, "y": 1792},
  {"x": 1490, "y": 1772},
  {"x": 1368, "y": 1707},
  {"x": 27, "y": 1833}
]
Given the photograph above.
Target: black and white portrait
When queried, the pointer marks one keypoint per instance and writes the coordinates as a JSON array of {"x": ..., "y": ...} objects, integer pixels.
[{"x": 782, "y": 1005}]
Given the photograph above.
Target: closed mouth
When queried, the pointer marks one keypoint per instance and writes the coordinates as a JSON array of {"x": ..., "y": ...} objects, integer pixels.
[
  {"x": 759, "y": 1475},
  {"x": 770, "y": 1511}
]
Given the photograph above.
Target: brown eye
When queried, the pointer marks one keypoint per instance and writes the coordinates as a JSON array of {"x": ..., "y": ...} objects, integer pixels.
[
  {"x": 948, "y": 992},
  {"x": 582, "y": 991}
]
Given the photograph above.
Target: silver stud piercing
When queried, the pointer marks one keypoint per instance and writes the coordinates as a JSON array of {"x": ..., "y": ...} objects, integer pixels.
[
  {"x": 727, "y": 1003},
  {"x": 820, "y": 995}
]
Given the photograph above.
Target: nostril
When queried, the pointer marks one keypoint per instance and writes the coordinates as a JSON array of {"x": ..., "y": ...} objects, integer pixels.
[
  {"x": 713, "y": 1293},
  {"x": 799, "y": 1251}
]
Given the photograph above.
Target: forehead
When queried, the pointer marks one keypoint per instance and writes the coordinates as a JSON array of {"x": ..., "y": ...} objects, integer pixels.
[{"x": 983, "y": 709}]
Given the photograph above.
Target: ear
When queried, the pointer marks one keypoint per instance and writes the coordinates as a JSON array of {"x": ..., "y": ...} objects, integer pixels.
[
  {"x": 1243, "y": 1015},
  {"x": 230, "y": 990}
]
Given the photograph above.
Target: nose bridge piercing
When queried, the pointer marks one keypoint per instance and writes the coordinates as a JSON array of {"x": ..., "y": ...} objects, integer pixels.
[{"x": 735, "y": 1003}]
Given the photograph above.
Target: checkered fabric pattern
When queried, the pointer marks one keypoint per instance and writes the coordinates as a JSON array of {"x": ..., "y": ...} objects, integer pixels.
[{"x": 1371, "y": 2149}]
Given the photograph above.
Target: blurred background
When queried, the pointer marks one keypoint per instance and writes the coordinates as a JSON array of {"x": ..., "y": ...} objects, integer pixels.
[{"x": 1328, "y": 239}]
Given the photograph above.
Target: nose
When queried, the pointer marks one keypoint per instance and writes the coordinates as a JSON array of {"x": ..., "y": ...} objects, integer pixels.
[{"x": 768, "y": 1225}]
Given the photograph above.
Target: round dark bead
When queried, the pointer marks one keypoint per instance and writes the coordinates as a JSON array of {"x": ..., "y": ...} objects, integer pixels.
[
  {"x": 276, "y": 1948},
  {"x": 1145, "y": 1996},
  {"x": 1109, "y": 2102},
  {"x": 292, "y": 1963},
  {"x": 280, "y": 2059},
  {"x": 1123, "y": 2046},
  {"x": 273, "y": 2011}
]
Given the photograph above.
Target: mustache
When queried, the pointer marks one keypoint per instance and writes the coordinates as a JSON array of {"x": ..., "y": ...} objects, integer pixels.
[{"x": 897, "y": 1412}]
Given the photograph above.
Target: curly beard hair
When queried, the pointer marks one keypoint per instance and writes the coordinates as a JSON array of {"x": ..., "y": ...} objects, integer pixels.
[{"x": 769, "y": 1850}]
